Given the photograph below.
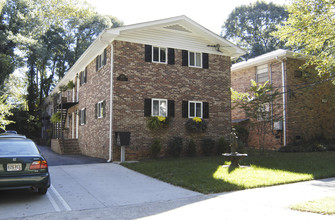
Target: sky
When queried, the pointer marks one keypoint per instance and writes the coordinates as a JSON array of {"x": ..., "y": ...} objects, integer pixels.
[{"x": 211, "y": 14}]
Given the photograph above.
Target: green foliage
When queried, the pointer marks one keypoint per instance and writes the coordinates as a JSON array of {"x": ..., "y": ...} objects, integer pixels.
[
  {"x": 5, "y": 112},
  {"x": 223, "y": 146},
  {"x": 155, "y": 148},
  {"x": 175, "y": 146},
  {"x": 196, "y": 125},
  {"x": 310, "y": 29},
  {"x": 207, "y": 146},
  {"x": 191, "y": 148},
  {"x": 56, "y": 117},
  {"x": 250, "y": 27},
  {"x": 260, "y": 105},
  {"x": 70, "y": 84},
  {"x": 156, "y": 122}
]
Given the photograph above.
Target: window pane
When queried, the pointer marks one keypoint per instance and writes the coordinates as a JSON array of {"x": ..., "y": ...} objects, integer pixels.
[
  {"x": 192, "y": 109},
  {"x": 163, "y": 55},
  {"x": 163, "y": 109},
  {"x": 198, "y": 60},
  {"x": 192, "y": 59},
  {"x": 155, "y": 108},
  {"x": 198, "y": 110},
  {"x": 155, "y": 56}
]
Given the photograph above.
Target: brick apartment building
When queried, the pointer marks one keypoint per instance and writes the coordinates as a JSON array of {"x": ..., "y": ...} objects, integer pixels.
[
  {"x": 306, "y": 102},
  {"x": 172, "y": 67}
]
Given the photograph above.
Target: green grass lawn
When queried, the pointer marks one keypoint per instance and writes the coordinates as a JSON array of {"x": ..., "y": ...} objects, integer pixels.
[
  {"x": 325, "y": 206},
  {"x": 207, "y": 175}
]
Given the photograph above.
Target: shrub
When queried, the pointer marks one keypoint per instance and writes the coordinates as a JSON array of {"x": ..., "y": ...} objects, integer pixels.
[
  {"x": 207, "y": 146},
  {"x": 223, "y": 146},
  {"x": 56, "y": 117},
  {"x": 155, "y": 147},
  {"x": 191, "y": 148},
  {"x": 175, "y": 146}
]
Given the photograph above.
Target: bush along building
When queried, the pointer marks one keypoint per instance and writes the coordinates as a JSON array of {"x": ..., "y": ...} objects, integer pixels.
[
  {"x": 305, "y": 105},
  {"x": 145, "y": 82}
]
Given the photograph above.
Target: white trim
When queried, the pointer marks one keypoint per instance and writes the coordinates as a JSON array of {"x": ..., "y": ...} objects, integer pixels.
[
  {"x": 195, "y": 107},
  {"x": 110, "y": 152},
  {"x": 159, "y": 54},
  {"x": 99, "y": 107},
  {"x": 81, "y": 116},
  {"x": 77, "y": 124},
  {"x": 195, "y": 59},
  {"x": 72, "y": 130},
  {"x": 159, "y": 103}
]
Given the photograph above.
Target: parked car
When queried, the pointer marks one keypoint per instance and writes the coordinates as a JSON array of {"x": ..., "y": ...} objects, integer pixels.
[
  {"x": 11, "y": 131},
  {"x": 21, "y": 164}
]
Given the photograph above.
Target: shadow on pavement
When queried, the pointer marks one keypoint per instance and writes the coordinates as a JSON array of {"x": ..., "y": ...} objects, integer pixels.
[{"x": 55, "y": 159}]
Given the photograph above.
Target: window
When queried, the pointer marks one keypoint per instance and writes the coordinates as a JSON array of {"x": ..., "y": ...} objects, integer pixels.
[
  {"x": 101, "y": 60},
  {"x": 195, "y": 109},
  {"x": 159, "y": 107},
  {"x": 159, "y": 54},
  {"x": 83, "y": 77},
  {"x": 100, "y": 109},
  {"x": 195, "y": 59},
  {"x": 191, "y": 109},
  {"x": 262, "y": 73},
  {"x": 82, "y": 114},
  {"x": 263, "y": 112}
]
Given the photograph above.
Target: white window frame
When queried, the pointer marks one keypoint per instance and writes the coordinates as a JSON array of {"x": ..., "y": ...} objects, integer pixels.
[
  {"x": 195, "y": 109},
  {"x": 261, "y": 72},
  {"x": 159, "y": 55},
  {"x": 196, "y": 65},
  {"x": 81, "y": 116},
  {"x": 100, "y": 109},
  {"x": 159, "y": 101},
  {"x": 101, "y": 59}
]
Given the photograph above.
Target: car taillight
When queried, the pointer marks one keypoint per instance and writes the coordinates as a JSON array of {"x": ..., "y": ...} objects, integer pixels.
[{"x": 37, "y": 165}]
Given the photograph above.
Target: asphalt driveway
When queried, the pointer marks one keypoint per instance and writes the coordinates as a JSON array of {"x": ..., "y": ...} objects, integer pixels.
[{"x": 55, "y": 159}]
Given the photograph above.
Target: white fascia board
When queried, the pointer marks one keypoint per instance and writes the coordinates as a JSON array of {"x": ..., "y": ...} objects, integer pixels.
[
  {"x": 266, "y": 58},
  {"x": 89, "y": 54}
]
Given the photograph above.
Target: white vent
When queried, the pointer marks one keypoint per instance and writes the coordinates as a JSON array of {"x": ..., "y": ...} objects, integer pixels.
[
  {"x": 177, "y": 27},
  {"x": 278, "y": 125}
]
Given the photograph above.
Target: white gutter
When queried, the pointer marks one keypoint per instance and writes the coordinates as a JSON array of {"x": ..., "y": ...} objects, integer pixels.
[
  {"x": 110, "y": 156},
  {"x": 284, "y": 100}
]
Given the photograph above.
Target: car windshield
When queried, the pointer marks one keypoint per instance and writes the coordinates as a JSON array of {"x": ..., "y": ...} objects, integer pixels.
[{"x": 17, "y": 147}]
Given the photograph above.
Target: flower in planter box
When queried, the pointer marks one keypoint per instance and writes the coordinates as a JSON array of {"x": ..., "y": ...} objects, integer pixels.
[
  {"x": 155, "y": 122},
  {"x": 196, "y": 125}
]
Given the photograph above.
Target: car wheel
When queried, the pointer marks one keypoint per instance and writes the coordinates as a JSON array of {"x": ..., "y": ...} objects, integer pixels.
[{"x": 42, "y": 190}]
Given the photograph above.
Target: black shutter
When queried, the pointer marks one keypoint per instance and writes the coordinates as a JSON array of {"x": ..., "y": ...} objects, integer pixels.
[
  {"x": 79, "y": 117},
  {"x": 170, "y": 108},
  {"x": 171, "y": 56},
  {"x": 97, "y": 63},
  {"x": 184, "y": 55},
  {"x": 184, "y": 109},
  {"x": 104, "y": 108},
  {"x": 84, "y": 115},
  {"x": 205, "y": 63},
  {"x": 147, "y": 107},
  {"x": 85, "y": 76},
  {"x": 80, "y": 78},
  {"x": 148, "y": 53},
  {"x": 96, "y": 110},
  {"x": 205, "y": 109},
  {"x": 105, "y": 57}
]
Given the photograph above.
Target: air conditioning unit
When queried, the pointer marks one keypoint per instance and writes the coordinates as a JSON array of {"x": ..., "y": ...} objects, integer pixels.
[{"x": 278, "y": 125}]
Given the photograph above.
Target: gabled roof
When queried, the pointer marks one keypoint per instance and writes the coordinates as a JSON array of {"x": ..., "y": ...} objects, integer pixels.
[
  {"x": 159, "y": 33},
  {"x": 266, "y": 58}
]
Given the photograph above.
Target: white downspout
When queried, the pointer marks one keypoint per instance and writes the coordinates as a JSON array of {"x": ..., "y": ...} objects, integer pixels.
[
  {"x": 284, "y": 100},
  {"x": 110, "y": 156}
]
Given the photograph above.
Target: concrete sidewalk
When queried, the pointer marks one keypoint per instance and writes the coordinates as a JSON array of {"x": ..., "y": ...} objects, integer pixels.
[{"x": 134, "y": 196}]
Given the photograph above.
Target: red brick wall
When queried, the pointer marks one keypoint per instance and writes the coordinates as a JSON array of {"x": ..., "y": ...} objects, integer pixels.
[{"x": 172, "y": 82}]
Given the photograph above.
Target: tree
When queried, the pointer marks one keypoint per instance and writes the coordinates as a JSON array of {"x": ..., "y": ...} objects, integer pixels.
[
  {"x": 260, "y": 106},
  {"x": 4, "y": 112},
  {"x": 250, "y": 27},
  {"x": 310, "y": 30}
]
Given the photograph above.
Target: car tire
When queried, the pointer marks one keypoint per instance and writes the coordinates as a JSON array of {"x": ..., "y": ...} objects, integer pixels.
[{"x": 42, "y": 190}]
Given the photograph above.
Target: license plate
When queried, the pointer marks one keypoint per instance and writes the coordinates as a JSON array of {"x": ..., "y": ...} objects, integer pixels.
[{"x": 14, "y": 167}]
